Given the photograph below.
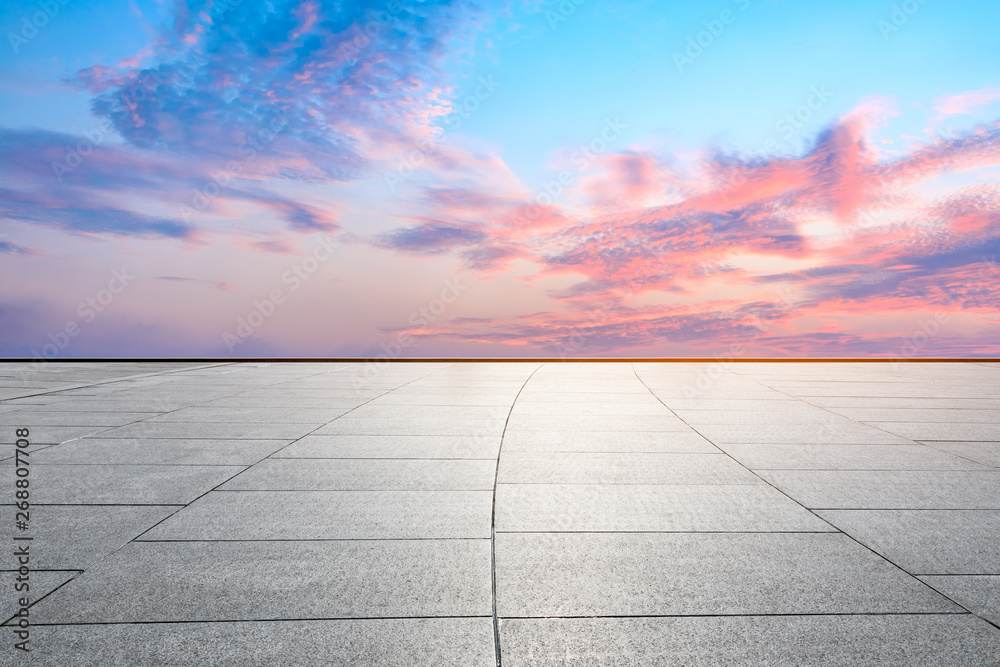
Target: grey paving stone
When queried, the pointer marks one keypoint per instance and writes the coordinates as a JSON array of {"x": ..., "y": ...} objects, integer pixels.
[
  {"x": 411, "y": 425},
  {"x": 794, "y": 413},
  {"x": 72, "y": 537},
  {"x": 426, "y": 413},
  {"x": 595, "y": 395},
  {"x": 40, "y": 583},
  {"x": 620, "y": 468},
  {"x": 561, "y": 423},
  {"x": 394, "y": 447},
  {"x": 259, "y": 413},
  {"x": 124, "y": 484},
  {"x": 210, "y": 581},
  {"x": 288, "y": 393},
  {"x": 326, "y": 515},
  {"x": 7, "y": 452},
  {"x": 591, "y": 409},
  {"x": 36, "y": 418},
  {"x": 927, "y": 415},
  {"x": 476, "y": 399},
  {"x": 634, "y": 508},
  {"x": 891, "y": 402},
  {"x": 454, "y": 642},
  {"x": 161, "y": 451},
  {"x": 927, "y": 541},
  {"x": 944, "y": 489},
  {"x": 980, "y": 595},
  {"x": 606, "y": 441},
  {"x": 367, "y": 475},
  {"x": 48, "y": 435},
  {"x": 986, "y": 453},
  {"x": 212, "y": 430},
  {"x": 679, "y": 405},
  {"x": 124, "y": 403},
  {"x": 847, "y": 457},
  {"x": 849, "y": 433},
  {"x": 241, "y": 401},
  {"x": 942, "y": 431},
  {"x": 643, "y": 574},
  {"x": 750, "y": 641}
]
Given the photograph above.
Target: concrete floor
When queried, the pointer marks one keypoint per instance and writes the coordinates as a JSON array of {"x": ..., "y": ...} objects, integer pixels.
[{"x": 583, "y": 513}]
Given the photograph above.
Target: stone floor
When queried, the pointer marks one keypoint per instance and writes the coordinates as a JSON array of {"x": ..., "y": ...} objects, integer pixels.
[{"x": 533, "y": 513}]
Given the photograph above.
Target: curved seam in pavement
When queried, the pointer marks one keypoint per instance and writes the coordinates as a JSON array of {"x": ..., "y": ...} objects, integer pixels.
[{"x": 493, "y": 520}]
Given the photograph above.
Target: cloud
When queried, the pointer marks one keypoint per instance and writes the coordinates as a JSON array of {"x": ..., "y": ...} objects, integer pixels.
[
  {"x": 215, "y": 284},
  {"x": 966, "y": 103}
]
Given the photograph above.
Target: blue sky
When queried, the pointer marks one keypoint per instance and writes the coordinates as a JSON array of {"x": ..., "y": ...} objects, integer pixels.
[{"x": 844, "y": 120}]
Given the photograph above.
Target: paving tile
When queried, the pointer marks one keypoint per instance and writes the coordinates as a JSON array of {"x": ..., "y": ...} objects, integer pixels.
[
  {"x": 49, "y": 435},
  {"x": 844, "y": 433},
  {"x": 445, "y": 642},
  {"x": 980, "y": 595},
  {"x": 750, "y": 641},
  {"x": 124, "y": 484},
  {"x": 212, "y": 430},
  {"x": 161, "y": 451},
  {"x": 240, "y": 401},
  {"x": 609, "y": 574},
  {"x": 679, "y": 405},
  {"x": 986, "y": 453},
  {"x": 591, "y": 409},
  {"x": 942, "y": 431},
  {"x": 597, "y": 394},
  {"x": 410, "y": 425},
  {"x": 620, "y": 468},
  {"x": 924, "y": 415},
  {"x": 934, "y": 402},
  {"x": 34, "y": 418},
  {"x": 329, "y": 515},
  {"x": 794, "y": 413},
  {"x": 667, "y": 422},
  {"x": 847, "y": 457},
  {"x": 72, "y": 537},
  {"x": 945, "y": 489},
  {"x": 41, "y": 583},
  {"x": 366, "y": 475},
  {"x": 426, "y": 413},
  {"x": 126, "y": 403},
  {"x": 606, "y": 441},
  {"x": 259, "y": 413},
  {"x": 208, "y": 581},
  {"x": 394, "y": 447},
  {"x": 927, "y": 541},
  {"x": 635, "y": 508}
]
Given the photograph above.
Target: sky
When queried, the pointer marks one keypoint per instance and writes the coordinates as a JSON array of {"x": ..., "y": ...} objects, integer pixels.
[{"x": 729, "y": 179}]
